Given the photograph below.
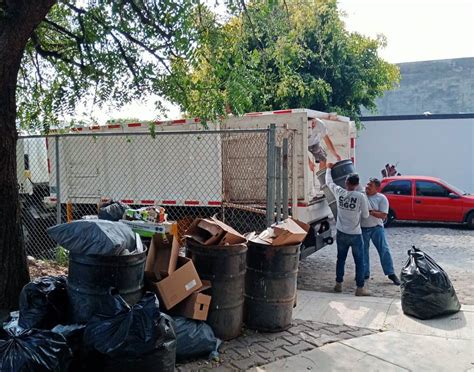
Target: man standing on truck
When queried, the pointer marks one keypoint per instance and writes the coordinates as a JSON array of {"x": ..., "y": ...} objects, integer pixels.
[
  {"x": 318, "y": 131},
  {"x": 372, "y": 229},
  {"x": 352, "y": 205}
]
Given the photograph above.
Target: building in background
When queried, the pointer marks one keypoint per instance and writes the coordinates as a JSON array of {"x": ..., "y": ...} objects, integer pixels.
[{"x": 426, "y": 126}]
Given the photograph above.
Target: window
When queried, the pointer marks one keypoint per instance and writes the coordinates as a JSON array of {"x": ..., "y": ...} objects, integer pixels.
[
  {"x": 426, "y": 188},
  {"x": 398, "y": 188}
]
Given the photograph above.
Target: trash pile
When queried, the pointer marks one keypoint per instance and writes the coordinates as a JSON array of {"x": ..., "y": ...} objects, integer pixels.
[{"x": 118, "y": 309}]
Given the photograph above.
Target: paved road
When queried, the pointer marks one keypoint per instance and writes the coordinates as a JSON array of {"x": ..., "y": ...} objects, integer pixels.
[{"x": 451, "y": 246}]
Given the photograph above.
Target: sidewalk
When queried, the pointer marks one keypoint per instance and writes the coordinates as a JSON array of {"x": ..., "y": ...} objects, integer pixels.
[{"x": 407, "y": 343}]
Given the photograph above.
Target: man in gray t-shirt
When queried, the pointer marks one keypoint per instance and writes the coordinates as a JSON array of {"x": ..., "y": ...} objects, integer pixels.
[
  {"x": 372, "y": 229},
  {"x": 351, "y": 207}
]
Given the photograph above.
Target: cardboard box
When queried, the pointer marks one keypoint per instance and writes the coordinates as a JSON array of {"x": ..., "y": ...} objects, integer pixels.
[
  {"x": 162, "y": 255},
  {"x": 195, "y": 306},
  {"x": 211, "y": 231},
  {"x": 289, "y": 232},
  {"x": 177, "y": 286}
]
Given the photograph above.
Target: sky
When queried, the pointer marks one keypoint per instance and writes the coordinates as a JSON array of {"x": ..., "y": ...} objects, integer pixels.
[{"x": 416, "y": 30}]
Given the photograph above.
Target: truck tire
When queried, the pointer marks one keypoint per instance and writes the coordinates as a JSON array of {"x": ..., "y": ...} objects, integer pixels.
[{"x": 390, "y": 218}]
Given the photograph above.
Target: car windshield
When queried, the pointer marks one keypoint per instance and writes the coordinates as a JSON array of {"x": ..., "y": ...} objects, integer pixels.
[{"x": 455, "y": 189}]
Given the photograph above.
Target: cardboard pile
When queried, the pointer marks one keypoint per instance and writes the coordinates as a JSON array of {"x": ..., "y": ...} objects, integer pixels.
[
  {"x": 175, "y": 280},
  {"x": 211, "y": 231},
  {"x": 287, "y": 232}
]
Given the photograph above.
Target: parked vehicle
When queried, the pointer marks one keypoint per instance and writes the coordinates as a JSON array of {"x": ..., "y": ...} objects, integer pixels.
[
  {"x": 420, "y": 198},
  {"x": 183, "y": 171}
]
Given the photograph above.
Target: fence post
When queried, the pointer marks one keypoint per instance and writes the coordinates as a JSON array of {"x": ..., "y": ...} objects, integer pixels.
[
  {"x": 278, "y": 184},
  {"x": 271, "y": 173},
  {"x": 58, "y": 180},
  {"x": 284, "y": 177}
]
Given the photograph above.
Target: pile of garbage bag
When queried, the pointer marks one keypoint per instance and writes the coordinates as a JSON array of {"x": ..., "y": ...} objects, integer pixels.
[{"x": 426, "y": 289}]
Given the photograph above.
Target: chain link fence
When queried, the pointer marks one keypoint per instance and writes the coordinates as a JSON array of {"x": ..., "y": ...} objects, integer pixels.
[{"x": 190, "y": 173}]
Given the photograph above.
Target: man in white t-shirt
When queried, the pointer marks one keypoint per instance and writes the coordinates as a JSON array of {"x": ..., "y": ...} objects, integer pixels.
[
  {"x": 351, "y": 207},
  {"x": 317, "y": 131},
  {"x": 372, "y": 229}
]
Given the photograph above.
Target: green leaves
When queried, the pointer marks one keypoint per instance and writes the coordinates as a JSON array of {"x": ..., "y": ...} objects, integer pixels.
[
  {"x": 275, "y": 55},
  {"x": 100, "y": 52}
]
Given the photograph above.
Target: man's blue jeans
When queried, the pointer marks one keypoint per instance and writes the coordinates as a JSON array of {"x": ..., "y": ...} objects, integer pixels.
[
  {"x": 344, "y": 242},
  {"x": 377, "y": 235}
]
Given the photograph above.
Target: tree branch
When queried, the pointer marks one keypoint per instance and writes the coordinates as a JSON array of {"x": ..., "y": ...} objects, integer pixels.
[
  {"x": 63, "y": 30},
  {"x": 53, "y": 54}
]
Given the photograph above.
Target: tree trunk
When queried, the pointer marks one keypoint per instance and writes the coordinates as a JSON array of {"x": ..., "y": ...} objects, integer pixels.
[{"x": 17, "y": 22}]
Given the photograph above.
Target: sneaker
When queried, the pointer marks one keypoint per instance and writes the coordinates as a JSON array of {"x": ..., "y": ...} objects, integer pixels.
[
  {"x": 362, "y": 291},
  {"x": 394, "y": 279},
  {"x": 338, "y": 287}
]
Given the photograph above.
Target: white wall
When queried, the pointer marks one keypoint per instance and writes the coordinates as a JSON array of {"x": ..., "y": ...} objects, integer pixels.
[{"x": 442, "y": 148}]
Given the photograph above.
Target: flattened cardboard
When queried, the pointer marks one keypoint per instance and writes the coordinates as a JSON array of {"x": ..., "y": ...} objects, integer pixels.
[
  {"x": 288, "y": 232},
  {"x": 211, "y": 231},
  {"x": 162, "y": 255},
  {"x": 179, "y": 285}
]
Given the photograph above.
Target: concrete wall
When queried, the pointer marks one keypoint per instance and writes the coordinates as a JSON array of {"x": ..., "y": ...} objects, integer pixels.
[
  {"x": 431, "y": 147},
  {"x": 440, "y": 87}
]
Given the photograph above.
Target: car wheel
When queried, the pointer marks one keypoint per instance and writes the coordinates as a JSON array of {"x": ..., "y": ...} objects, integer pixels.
[
  {"x": 390, "y": 218},
  {"x": 470, "y": 220}
]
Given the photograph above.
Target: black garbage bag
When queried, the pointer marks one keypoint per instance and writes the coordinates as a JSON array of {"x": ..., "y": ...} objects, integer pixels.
[
  {"x": 194, "y": 339},
  {"x": 83, "y": 359},
  {"x": 112, "y": 211},
  {"x": 133, "y": 336},
  {"x": 43, "y": 303},
  {"x": 163, "y": 358},
  {"x": 426, "y": 289},
  {"x": 33, "y": 350},
  {"x": 94, "y": 237}
]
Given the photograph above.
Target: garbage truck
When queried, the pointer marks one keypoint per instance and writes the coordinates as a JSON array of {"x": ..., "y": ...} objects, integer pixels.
[{"x": 194, "y": 169}]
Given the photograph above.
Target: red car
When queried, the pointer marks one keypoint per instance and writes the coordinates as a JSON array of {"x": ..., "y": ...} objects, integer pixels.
[{"x": 419, "y": 198}]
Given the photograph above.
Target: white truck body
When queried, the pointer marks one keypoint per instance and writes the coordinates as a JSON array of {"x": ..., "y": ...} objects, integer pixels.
[
  {"x": 94, "y": 168},
  {"x": 32, "y": 163}
]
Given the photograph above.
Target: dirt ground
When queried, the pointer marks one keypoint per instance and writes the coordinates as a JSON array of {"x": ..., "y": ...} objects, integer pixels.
[
  {"x": 43, "y": 268},
  {"x": 452, "y": 247}
]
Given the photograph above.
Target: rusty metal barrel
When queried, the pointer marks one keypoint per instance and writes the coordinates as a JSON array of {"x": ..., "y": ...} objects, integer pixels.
[
  {"x": 270, "y": 286},
  {"x": 224, "y": 267}
]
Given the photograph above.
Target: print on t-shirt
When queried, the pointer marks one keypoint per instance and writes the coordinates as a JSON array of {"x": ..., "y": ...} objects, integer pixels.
[{"x": 348, "y": 203}]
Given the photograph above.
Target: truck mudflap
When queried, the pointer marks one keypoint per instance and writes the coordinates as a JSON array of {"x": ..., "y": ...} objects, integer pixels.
[{"x": 319, "y": 235}]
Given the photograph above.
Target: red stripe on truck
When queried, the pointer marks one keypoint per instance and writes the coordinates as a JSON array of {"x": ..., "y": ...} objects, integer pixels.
[
  {"x": 214, "y": 203},
  {"x": 49, "y": 166},
  {"x": 353, "y": 140},
  {"x": 127, "y": 201},
  {"x": 254, "y": 113},
  {"x": 197, "y": 120},
  {"x": 133, "y": 125},
  {"x": 191, "y": 202},
  {"x": 95, "y": 127},
  {"x": 147, "y": 201},
  {"x": 179, "y": 121},
  {"x": 283, "y": 112},
  {"x": 172, "y": 202},
  {"x": 114, "y": 126}
]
